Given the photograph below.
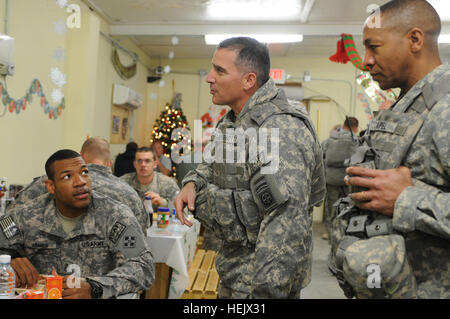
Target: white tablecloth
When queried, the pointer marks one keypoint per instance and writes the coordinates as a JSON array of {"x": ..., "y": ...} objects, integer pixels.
[{"x": 175, "y": 246}]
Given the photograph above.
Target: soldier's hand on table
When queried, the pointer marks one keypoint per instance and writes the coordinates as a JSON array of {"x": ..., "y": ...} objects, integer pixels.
[
  {"x": 384, "y": 187},
  {"x": 156, "y": 199},
  {"x": 26, "y": 275},
  {"x": 186, "y": 196},
  {"x": 82, "y": 292}
]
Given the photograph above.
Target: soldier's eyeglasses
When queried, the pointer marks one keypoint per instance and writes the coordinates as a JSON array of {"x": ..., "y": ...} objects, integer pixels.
[{"x": 146, "y": 161}]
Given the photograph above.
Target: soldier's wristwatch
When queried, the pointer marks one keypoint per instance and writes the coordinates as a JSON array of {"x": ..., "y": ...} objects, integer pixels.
[{"x": 96, "y": 289}]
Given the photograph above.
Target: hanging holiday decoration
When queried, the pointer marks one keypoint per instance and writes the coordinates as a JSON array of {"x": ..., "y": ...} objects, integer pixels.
[
  {"x": 372, "y": 89},
  {"x": 172, "y": 118},
  {"x": 19, "y": 105},
  {"x": 210, "y": 118},
  {"x": 125, "y": 72},
  {"x": 365, "y": 105},
  {"x": 346, "y": 51}
]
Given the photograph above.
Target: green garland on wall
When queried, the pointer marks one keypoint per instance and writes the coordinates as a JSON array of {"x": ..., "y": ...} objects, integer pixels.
[{"x": 21, "y": 104}]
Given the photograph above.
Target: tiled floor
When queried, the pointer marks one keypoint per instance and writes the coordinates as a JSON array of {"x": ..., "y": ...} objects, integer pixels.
[{"x": 323, "y": 285}]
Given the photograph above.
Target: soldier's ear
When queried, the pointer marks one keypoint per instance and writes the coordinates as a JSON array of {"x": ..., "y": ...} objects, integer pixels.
[
  {"x": 249, "y": 80},
  {"x": 50, "y": 185}
]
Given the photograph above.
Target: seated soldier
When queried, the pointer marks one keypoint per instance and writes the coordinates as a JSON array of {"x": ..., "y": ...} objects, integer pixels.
[
  {"x": 147, "y": 182},
  {"x": 96, "y": 154},
  {"x": 72, "y": 226}
]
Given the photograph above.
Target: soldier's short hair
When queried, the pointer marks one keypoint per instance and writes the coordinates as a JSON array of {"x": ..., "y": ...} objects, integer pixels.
[
  {"x": 96, "y": 148},
  {"x": 145, "y": 149},
  {"x": 58, "y": 156},
  {"x": 354, "y": 123},
  {"x": 252, "y": 56}
]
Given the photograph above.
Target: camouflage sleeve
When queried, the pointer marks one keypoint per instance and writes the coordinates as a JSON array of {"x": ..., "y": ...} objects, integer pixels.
[
  {"x": 168, "y": 189},
  {"x": 200, "y": 176},
  {"x": 424, "y": 207},
  {"x": 31, "y": 191},
  {"x": 283, "y": 251},
  {"x": 135, "y": 269},
  {"x": 11, "y": 238}
]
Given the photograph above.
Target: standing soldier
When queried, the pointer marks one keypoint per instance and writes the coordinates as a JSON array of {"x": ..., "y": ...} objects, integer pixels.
[
  {"x": 261, "y": 204},
  {"x": 397, "y": 242},
  {"x": 337, "y": 150}
]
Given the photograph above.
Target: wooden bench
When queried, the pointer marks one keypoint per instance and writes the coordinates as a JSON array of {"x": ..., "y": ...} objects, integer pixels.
[{"x": 203, "y": 276}]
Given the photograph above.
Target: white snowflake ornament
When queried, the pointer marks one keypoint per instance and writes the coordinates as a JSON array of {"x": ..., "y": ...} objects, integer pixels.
[
  {"x": 57, "y": 77},
  {"x": 162, "y": 83},
  {"x": 175, "y": 40},
  {"x": 59, "y": 27},
  {"x": 171, "y": 55},
  {"x": 61, "y": 3},
  {"x": 167, "y": 69},
  {"x": 59, "y": 54},
  {"x": 57, "y": 96}
]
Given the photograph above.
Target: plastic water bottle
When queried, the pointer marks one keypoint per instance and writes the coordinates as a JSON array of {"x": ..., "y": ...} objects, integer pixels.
[
  {"x": 149, "y": 208},
  {"x": 7, "y": 278},
  {"x": 175, "y": 219}
]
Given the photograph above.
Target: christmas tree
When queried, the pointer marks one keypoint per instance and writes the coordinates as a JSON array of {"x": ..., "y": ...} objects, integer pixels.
[{"x": 172, "y": 118}]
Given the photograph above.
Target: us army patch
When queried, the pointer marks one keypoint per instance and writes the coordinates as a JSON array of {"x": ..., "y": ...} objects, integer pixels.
[
  {"x": 8, "y": 227},
  {"x": 92, "y": 244},
  {"x": 116, "y": 232}
]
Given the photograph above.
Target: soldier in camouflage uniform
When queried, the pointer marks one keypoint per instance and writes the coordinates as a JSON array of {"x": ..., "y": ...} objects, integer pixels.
[
  {"x": 79, "y": 232},
  {"x": 147, "y": 182},
  {"x": 336, "y": 150},
  {"x": 95, "y": 152},
  {"x": 406, "y": 174},
  {"x": 261, "y": 207}
]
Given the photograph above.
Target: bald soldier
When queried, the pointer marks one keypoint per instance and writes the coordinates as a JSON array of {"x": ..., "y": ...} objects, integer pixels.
[
  {"x": 405, "y": 176},
  {"x": 74, "y": 229},
  {"x": 95, "y": 151}
]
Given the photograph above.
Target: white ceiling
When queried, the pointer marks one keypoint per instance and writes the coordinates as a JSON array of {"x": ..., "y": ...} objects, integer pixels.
[{"x": 151, "y": 24}]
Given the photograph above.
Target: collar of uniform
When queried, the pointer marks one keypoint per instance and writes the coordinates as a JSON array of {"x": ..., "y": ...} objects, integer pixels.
[
  {"x": 51, "y": 224},
  {"x": 264, "y": 94},
  {"x": 402, "y": 104},
  {"x": 99, "y": 169},
  {"x": 87, "y": 224}
]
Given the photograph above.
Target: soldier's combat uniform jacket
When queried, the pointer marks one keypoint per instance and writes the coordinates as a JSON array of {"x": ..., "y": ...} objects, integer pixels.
[
  {"x": 104, "y": 182},
  {"x": 336, "y": 150},
  {"x": 264, "y": 220},
  {"x": 422, "y": 211},
  {"x": 107, "y": 244},
  {"x": 161, "y": 184}
]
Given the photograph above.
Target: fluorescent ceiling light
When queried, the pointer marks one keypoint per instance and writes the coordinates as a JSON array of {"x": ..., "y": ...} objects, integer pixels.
[
  {"x": 444, "y": 38},
  {"x": 215, "y": 39},
  {"x": 253, "y": 9}
]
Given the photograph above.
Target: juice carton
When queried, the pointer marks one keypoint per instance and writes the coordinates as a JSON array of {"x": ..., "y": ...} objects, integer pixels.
[
  {"x": 53, "y": 287},
  {"x": 33, "y": 294}
]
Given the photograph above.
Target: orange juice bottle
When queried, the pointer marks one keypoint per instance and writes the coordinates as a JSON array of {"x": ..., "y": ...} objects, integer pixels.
[{"x": 53, "y": 287}]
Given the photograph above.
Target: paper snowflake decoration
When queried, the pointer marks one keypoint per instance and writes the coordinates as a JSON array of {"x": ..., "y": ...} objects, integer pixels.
[
  {"x": 171, "y": 55},
  {"x": 59, "y": 54},
  {"x": 57, "y": 77},
  {"x": 175, "y": 40},
  {"x": 59, "y": 27},
  {"x": 61, "y": 3},
  {"x": 167, "y": 69},
  {"x": 162, "y": 83},
  {"x": 57, "y": 96}
]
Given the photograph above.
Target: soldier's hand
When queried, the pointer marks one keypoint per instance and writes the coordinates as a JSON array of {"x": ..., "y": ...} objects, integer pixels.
[
  {"x": 82, "y": 292},
  {"x": 26, "y": 275},
  {"x": 186, "y": 196},
  {"x": 384, "y": 187}
]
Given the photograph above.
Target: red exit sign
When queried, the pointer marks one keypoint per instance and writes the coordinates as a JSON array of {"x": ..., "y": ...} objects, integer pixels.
[{"x": 278, "y": 75}]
